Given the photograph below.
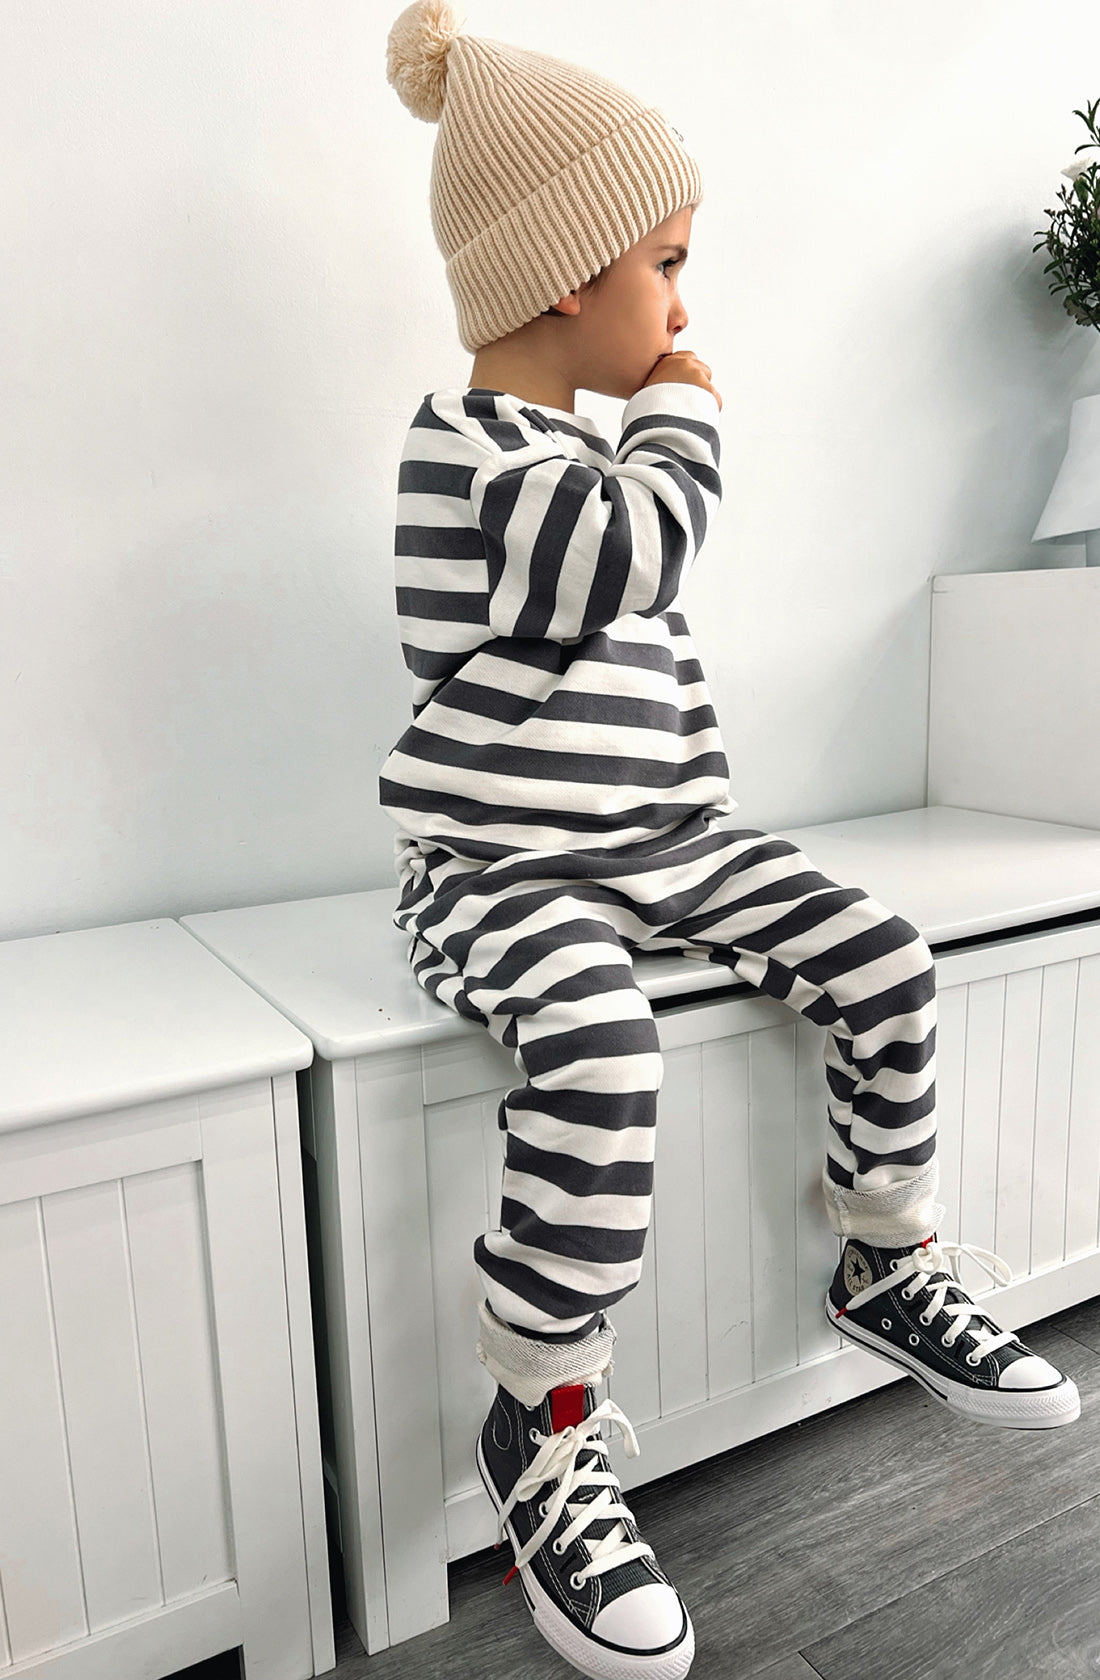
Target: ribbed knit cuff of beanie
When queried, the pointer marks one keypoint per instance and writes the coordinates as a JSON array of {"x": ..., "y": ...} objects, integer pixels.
[{"x": 529, "y": 1369}]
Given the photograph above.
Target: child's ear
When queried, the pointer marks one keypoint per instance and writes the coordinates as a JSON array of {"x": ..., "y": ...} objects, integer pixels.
[{"x": 570, "y": 304}]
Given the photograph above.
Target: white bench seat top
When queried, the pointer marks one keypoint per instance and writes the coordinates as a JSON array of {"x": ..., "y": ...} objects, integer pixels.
[
  {"x": 106, "y": 1018},
  {"x": 337, "y": 966}
]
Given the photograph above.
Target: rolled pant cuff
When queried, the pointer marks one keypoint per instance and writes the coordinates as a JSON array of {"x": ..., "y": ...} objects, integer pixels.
[
  {"x": 894, "y": 1217},
  {"x": 530, "y": 1369}
]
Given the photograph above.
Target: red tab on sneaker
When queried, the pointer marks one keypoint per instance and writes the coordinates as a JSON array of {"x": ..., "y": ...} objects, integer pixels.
[{"x": 566, "y": 1406}]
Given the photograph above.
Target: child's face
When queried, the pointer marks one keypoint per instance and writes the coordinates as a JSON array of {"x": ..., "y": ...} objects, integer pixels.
[
  {"x": 633, "y": 317},
  {"x": 609, "y": 340}
]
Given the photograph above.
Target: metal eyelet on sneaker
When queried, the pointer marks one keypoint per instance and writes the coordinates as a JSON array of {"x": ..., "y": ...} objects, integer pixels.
[
  {"x": 557, "y": 1548},
  {"x": 970, "y": 1360},
  {"x": 576, "y": 1583},
  {"x": 914, "y": 1341},
  {"x": 926, "y": 1318},
  {"x": 886, "y": 1324},
  {"x": 532, "y": 1434},
  {"x": 542, "y": 1509}
]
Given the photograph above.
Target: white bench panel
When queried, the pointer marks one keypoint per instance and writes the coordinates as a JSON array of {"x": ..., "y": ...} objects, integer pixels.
[
  {"x": 183, "y": 1632},
  {"x": 772, "y": 1155},
  {"x": 248, "y": 1285},
  {"x": 951, "y": 1008},
  {"x": 635, "y": 1383},
  {"x": 727, "y": 1211},
  {"x": 1083, "y": 1175},
  {"x": 1023, "y": 1001},
  {"x": 65, "y": 1154},
  {"x": 1052, "y": 1098},
  {"x": 164, "y": 1226},
  {"x": 160, "y": 1490},
  {"x": 43, "y": 1599},
  {"x": 464, "y": 1170},
  {"x": 396, "y": 1220},
  {"x": 817, "y": 1247},
  {"x": 977, "y": 1196},
  {"x": 100, "y": 1372},
  {"x": 676, "y": 1242}
]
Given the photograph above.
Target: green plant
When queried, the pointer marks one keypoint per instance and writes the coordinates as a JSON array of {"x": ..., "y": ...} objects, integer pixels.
[{"x": 1073, "y": 238}]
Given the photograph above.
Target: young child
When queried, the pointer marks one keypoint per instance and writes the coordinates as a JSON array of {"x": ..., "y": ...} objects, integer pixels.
[{"x": 557, "y": 796}]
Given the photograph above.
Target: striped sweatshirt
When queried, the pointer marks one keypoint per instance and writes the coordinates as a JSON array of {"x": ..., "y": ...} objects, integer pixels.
[{"x": 558, "y": 702}]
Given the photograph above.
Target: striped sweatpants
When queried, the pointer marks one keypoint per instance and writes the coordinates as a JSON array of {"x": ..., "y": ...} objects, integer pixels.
[{"x": 536, "y": 947}]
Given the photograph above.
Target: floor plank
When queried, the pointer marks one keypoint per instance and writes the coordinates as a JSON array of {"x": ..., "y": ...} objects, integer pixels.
[{"x": 1031, "y": 1607}]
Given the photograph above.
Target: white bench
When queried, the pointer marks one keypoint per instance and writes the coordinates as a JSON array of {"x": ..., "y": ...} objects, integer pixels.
[
  {"x": 161, "y": 1496},
  {"x": 725, "y": 1338}
]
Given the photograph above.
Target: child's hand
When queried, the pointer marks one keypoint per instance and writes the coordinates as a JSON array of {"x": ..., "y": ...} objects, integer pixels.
[{"x": 685, "y": 368}]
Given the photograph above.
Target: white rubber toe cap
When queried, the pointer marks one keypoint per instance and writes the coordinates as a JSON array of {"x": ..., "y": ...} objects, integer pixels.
[
  {"x": 1031, "y": 1372},
  {"x": 644, "y": 1619}
]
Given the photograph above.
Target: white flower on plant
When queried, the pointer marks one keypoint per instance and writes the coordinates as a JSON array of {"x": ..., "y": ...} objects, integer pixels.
[{"x": 1090, "y": 154}]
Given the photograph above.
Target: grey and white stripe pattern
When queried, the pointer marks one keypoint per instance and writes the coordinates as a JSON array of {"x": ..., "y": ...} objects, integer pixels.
[
  {"x": 558, "y": 700},
  {"x": 538, "y": 950}
]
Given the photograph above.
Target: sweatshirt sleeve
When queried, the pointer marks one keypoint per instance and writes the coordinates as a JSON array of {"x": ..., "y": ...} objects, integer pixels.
[{"x": 571, "y": 548}]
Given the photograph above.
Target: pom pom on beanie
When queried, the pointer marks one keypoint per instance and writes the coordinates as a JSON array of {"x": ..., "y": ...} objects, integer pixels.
[
  {"x": 417, "y": 52},
  {"x": 543, "y": 172}
]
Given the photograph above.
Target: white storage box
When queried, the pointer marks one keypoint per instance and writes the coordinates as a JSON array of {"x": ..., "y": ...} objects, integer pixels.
[
  {"x": 160, "y": 1481},
  {"x": 725, "y": 1337},
  {"x": 1014, "y": 715}
]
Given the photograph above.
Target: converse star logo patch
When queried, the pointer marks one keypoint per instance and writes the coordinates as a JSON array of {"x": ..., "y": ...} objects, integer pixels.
[{"x": 857, "y": 1272}]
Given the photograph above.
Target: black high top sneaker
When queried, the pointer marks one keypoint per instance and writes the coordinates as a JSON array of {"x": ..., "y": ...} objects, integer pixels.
[
  {"x": 591, "y": 1582},
  {"x": 908, "y": 1305}
]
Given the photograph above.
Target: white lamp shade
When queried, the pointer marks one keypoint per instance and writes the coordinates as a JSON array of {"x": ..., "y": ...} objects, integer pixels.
[{"x": 1073, "y": 506}]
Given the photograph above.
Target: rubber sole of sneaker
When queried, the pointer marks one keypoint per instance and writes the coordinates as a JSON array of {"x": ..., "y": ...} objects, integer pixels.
[
  {"x": 1010, "y": 1408},
  {"x": 585, "y": 1652}
]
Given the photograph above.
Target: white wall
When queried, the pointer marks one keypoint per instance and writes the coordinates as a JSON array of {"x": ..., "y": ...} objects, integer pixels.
[{"x": 222, "y": 305}]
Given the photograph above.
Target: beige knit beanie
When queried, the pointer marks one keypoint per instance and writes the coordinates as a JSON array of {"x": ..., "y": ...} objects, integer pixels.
[{"x": 542, "y": 174}]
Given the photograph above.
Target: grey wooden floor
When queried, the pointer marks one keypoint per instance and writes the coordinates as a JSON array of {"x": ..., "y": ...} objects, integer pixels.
[{"x": 884, "y": 1540}]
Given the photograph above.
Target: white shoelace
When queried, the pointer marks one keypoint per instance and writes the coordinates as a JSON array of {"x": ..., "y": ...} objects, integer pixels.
[
  {"x": 930, "y": 1257},
  {"x": 557, "y": 1458}
]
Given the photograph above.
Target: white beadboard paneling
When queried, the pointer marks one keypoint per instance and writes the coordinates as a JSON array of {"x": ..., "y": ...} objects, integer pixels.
[
  {"x": 951, "y": 1009},
  {"x": 458, "y": 1162},
  {"x": 982, "y": 1096},
  {"x": 772, "y": 1139},
  {"x": 1048, "y": 1222},
  {"x": 818, "y": 1248},
  {"x": 460, "y": 1067},
  {"x": 288, "y": 1162},
  {"x": 727, "y": 1211},
  {"x": 104, "y": 1403},
  {"x": 635, "y": 1383},
  {"x": 65, "y": 1154},
  {"x": 244, "y": 1237},
  {"x": 355, "y": 1443},
  {"x": 1083, "y": 1174},
  {"x": 184, "y": 1632},
  {"x": 175, "y": 1334},
  {"x": 393, "y": 1186},
  {"x": 39, "y": 1550},
  {"x": 677, "y": 1235},
  {"x": 1019, "y": 1075}
]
